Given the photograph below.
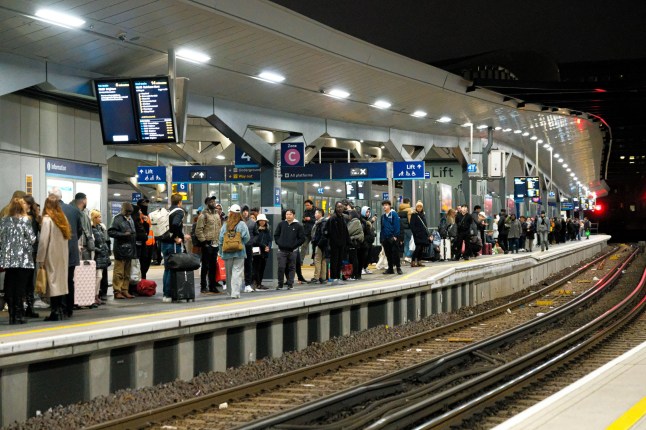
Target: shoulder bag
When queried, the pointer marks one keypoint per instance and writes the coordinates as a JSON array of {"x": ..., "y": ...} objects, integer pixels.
[{"x": 232, "y": 241}]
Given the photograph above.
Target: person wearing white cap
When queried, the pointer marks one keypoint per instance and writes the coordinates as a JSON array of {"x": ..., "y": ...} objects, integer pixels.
[
  {"x": 234, "y": 235},
  {"x": 260, "y": 248}
]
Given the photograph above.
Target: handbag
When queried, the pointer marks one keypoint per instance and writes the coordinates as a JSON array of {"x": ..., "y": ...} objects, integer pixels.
[
  {"x": 232, "y": 241},
  {"x": 41, "y": 281},
  {"x": 411, "y": 244},
  {"x": 221, "y": 272},
  {"x": 135, "y": 270},
  {"x": 183, "y": 261}
]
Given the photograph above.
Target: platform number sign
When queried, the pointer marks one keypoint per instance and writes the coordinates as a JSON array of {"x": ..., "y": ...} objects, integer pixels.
[{"x": 242, "y": 159}]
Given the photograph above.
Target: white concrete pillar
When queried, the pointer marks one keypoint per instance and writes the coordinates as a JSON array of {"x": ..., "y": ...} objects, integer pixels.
[
  {"x": 14, "y": 392},
  {"x": 324, "y": 326},
  {"x": 186, "y": 358},
  {"x": 219, "y": 350},
  {"x": 249, "y": 343},
  {"x": 99, "y": 374},
  {"x": 276, "y": 339},
  {"x": 144, "y": 362}
]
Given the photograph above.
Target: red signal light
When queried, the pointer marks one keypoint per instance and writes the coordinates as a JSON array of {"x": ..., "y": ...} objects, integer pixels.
[{"x": 598, "y": 208}]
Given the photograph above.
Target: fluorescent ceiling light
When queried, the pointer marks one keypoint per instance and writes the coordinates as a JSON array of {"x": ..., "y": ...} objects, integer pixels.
[
  {"x": 377, "y": 196},
  {"x": 220, "y": 157},
  {"x": 560, "y": 160},
  {"x": 575, "y": 178},
  {"x": 338, "y": 190},
  {"x": 315, "y": 184},
  {"x": 546, "y": 146},
  {"x": 271, "y": 77},
  {"x": 565, "y": 165},
  {"x": 444, "y": 119},
  {"x": 526, "y": 134},
  {"x": 467, "y": 124},
  {"x": 327, "y": 187},
  {"x": 498, "y": 128},
  {"x": 117, "y": 194},
  {"x": 533, "y": 138},
  {"x": 517, "y": 131},
  {"x": 539, "y": 141},
  {"x": 419, "y": 114},
  {"x": 572, "y": 174},
  {"x": 506, "y": 130},
  {"x": 482, "y": 126},
  {"x": 622, "y": 157},
  {"x": 59, "y": 18},
  {"x": 556, "y": 155},
  {"x": 568, "y": 170},
  {"x": 197, "y": 57},
  {"x": 632, "y": 157},
  {"x": 382, "y": 104},
  {"x": 339, "y": 94}
]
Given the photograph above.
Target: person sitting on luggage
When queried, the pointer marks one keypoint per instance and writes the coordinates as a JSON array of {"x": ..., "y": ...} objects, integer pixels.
[
  {"x": 122, "y": 231},
  {"x": 262, "y": 246},
  {"x": 420, "y": 234}
]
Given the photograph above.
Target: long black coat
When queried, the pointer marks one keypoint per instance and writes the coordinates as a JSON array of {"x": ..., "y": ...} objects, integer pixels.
[
  {"x": 418, "y": 228},
  {"x": 73, "y": 215},
  {"x": 337, "y": 232},
  {"x": 124, "y": 238}
]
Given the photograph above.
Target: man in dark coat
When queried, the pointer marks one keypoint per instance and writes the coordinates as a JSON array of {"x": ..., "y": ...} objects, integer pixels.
[
  {"x": 73, "y": 216},
  {"x": 464, "y": 225},
  {"x": 125, "y": 249},
  {"x": 336, "y": 232}
]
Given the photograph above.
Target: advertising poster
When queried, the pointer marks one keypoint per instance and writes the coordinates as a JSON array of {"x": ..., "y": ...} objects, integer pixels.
[{"x": 446, "y": 197}]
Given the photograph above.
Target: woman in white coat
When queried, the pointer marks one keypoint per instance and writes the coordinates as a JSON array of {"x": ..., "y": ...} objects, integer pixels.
[{"x": 52, "y": 254}]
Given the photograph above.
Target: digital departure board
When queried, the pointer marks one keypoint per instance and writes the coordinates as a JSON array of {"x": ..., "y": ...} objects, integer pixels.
[
  {"x": 135, "y": 110},
  {"x": 118, "y": 123},
  {"x": 534, "y": 189},
  {"x": 154, "y": 110}
]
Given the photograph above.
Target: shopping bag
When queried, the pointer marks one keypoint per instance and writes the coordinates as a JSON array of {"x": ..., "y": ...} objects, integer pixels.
[
  {"x": 146, "y": 288},
  {"x": 411, "y": 244},
  {"x": 382, "y": 263},
  {"x": 41, "y": 281},
  {"x": 221, "y": 272},
  {"x": 135, "y": 271},
  {"x": 346, "y": 270}
]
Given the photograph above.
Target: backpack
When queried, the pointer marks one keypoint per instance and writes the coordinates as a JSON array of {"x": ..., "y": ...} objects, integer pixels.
[{"x": 160, "y": 222}]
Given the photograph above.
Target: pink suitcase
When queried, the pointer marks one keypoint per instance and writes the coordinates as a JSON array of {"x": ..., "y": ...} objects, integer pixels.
[{"x": 85, "y": 283}]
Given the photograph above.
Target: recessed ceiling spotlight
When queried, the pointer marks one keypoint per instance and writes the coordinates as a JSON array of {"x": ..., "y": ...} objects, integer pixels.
[
  {"x": 444, "y": 119},
  {"x": 59, "y": 18},
  {"x": 526, "y": 134},
  {"x": 565, "y": 165},
  {"x": 539, "y": 141},
  {"x": 533, "y": 138},
  {"x": 419, "y": 114},
  {"x": 338, "y": 190},
  {"x": 556, "y": 155},
  {"x": 506, "y": 130},
  {"x": 467, "y": 124},
  {"x": 194, "y": 56},
  {"x": 338, "y": 93},
  {"x": 327, "y": 187},
  {"x": 517, "y": 131},
  {"x": 575, "y": 178},
  {"x": 117, "y": 194},
  {"x": 498, "y": 128},
  {"x": 572, "y": 174},
  {"x": 546, "y": 146},
  {"x": 560, "y": 160},
  {"x": 315, "y": 184},
  {"x": 622, "y": 157},
  {"x": 568, "y": 170},
  {"x": 271, "y": 77},
  {"x": 220, "y": 157},
  {"x": 381, "y": 104},
  {"x": 482, "y": 126}
]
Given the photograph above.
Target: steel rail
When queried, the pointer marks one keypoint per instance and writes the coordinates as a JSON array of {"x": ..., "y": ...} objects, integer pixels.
[{"x": 146, "y": 418}]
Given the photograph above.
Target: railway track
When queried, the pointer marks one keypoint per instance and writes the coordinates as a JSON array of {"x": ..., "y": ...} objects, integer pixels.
[{"x": 239, "y": 406}]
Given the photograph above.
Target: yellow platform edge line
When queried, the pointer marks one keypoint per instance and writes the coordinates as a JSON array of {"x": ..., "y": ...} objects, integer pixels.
[
  {"x": 630, "y": 417},
  {"x": 182, "y": 311}
]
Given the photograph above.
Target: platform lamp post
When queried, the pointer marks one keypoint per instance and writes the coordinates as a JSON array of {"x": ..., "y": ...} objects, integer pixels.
[{"x": 470, "y": 125}]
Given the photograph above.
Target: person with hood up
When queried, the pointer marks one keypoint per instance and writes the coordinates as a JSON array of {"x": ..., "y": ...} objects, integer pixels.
[
  {"x": 369, "y": 236},
  {"x": 355, "y": 230},
  {"x": 336, "y": 232},
  {"x": 406, "y": 233}
]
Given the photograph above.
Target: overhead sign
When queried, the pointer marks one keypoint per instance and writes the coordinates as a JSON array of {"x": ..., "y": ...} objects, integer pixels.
[
  {"x": 408, "y": 170},
  {"x": 384, "y": 196},
  {"x": 365, "y": 171},
  {"x": 318, "y": 172},
  {"x": 151, "y": 174},
  {"x": 242, "y": 159},
  {"x": 427, "y": 174},
  {"x": 534, "y": 189},
  {"x": 320, "y": 190},
  {"x": 520, "y": 189},
  {"x": 472, "y": 168},
  {"x": 567, "y": 206},
  {"x": 243, "y": 174},
  {"x": 445, "y": 172},
  {"x": 277, "y": 192},
  {"x": 292, "y": 154},
  {"x": 197, "y": 174},
  {"x": 136, "y": 197},
  {"x": 70, "y": 169},
  {"x": 181, "y": 187}
]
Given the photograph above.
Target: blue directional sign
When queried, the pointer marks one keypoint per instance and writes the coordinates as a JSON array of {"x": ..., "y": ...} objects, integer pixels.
[
  {"x": 242, "y": 159},
  {"x": 198, "y": 174},
  {"x": 70, "y": 169},
  {"x": 320, "y": 190},
  {"x": 472, "y": 168},
  {"x": 277, "y": 192},
  {"x": 408, "y": 170},
  {"x": 427, "y": 174},
  {"x": 311, "y": 172},
  {"x": 151, "y": 174},
  {"x": 182, "y": 187},
  {"x": 361, "y": 171},
  {"x": 243, "y": 174},
  {"x": 567, "y": 206},
  {"x": 384, "y": 196},
  {"x": 136, "y": 197}
]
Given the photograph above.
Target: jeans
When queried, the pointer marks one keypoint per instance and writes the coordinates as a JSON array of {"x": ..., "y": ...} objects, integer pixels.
[
  {"x": 544, "y": 243},
  {"x": 513, "y": 244},
  {"x": 168, "y": 249},
  {"x": 259, "y": 264},
  {"x": 235, "y": 275},
  {"x": 248, "y": 265},
  {"x": 286, "y": 266},
  {"x": 407, "y": 235},
  {"x": 68, "y": 299},
  {"x": 209, "y": 267}
]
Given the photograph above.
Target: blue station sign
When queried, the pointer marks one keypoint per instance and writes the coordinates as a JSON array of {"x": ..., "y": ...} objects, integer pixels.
[
  {"x": 198, "y": 174},
  {"x": 243, "y": 174},
  {"x": 311, "y": 172},
  {"x": 362, "y": 171},
  {"x": 70, "y": 169},
  {"x": 408, "y": 170},
  {"x": 242, "y": 159},
  {"x": 135, "y": 197},
  {"x": 151, "y": 174}
]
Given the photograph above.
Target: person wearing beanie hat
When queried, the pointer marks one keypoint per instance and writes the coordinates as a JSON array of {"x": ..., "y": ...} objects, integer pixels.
[
  {"x": 420, "y": 234},
  {"x": 207, "y": 234},
  {"x": 262, "y": 246}
]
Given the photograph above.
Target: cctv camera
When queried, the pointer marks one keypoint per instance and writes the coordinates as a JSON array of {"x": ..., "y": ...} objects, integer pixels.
[{"x": 122, "y": 36}]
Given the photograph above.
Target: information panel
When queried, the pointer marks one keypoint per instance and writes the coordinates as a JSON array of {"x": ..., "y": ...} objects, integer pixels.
[
  {"x": 534, "y": 189},
  {"x": 365, "y": 171},
  {"x": 154, "y": 110},
  {"x": 520, "y": 188},
  {"x": 118, "y": 123}
]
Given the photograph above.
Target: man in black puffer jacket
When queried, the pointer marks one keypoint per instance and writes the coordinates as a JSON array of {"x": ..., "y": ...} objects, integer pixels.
[
  {"x": 289, "y": 235},
  {"x": 125, "y": 249}
]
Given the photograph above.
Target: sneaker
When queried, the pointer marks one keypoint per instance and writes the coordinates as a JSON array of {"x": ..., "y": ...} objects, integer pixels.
[
  {"x": 313, "y": 281},
  {"x": 368, "y": 272},
  {"x": 279, "y": 287},
  {"x": 248, "y": 289},
  {"x": 399, "y": 271},
  {"x": 167, "y": 299},
  {"x": 290, "y": 286},
  {"x": 321, "y": 281},
  {"x": 388, "y": 272},
  {"x": 351, "y": 279},
  {"x": 39, "y": 304},
  {"x": 363, "y": 272},
  {"x": 204, "y": 290}
]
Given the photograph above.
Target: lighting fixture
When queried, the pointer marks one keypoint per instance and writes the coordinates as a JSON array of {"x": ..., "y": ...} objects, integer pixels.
[
  {"x": 117, "y": 194},
  {"x": 482, "y": 126},
  {"x": 560, "y": 160},
  {"x": 377, "y": 196},
  {"x": 498, "y": 128},
  {"x": 526, "y": 134},
  {"x": 506, "y": 130},
  {"x": 419, "y": 114},
  {"x": 467, "y": 124},
  {"x": 271, "y": 77},
  {"x": 517, "y": 131},
  {"x": 565, "y": 165},
  {"x": 444, "y": 119},
  {"x": 568, "y": 170},
  {"x": 189, "y": 55},
  {"x": 632, "y": 157},
  {"x": 539, "y": 141},
  {"x": 575, "y": 178},
  {"x": 327, "y": 187},
  {"x": 549, "y": 148},
  {"x": 546, "y": 146},
  {"x": 220, "y": 157},
  {"x": 533, "y": 138},
  {"x": 338, "y": 93},
  {"x": 381, "y": 104},
  {"x": 59, "y": 18},
  {"x": 632, "y": 162},
  {"x": 556, "y": 155},
  {"x": 338, "y": 190},
  {"x": 315, "y": 184},
  {"x": 572, "y": 174}
]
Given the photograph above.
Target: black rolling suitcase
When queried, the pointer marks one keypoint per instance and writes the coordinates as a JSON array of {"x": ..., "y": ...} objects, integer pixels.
[{"x": 182, "y": 285}]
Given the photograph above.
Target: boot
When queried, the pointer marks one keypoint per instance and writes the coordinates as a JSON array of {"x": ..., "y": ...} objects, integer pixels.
[
  {"x": 419, "y": 264},
  {"x": 57, "y": 309},
  {"x": 29, "y": 312},
  {"x": 12, "y": 310},
  {"x": 18, "y": 311}
]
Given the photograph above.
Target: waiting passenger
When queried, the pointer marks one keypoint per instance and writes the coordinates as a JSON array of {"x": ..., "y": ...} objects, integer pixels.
[
  {"x": 405, "y": 234},
  {"x": 369, "y": 236},
  {"x": 170, "y": 245},
  {"x": 207, "y": 232},
  {"x": 338, "y": 238},
  {"x": 233, "y": 251},
  {"x": 320, "y": 245},
  {"x": 289, "y": 236},
  {"x": 308, "y": 223},
  {"x": 420, "y": 233},
  {"x": 515, "y": 229},
  {"x": 355, "y": 231},
  {"x": 390, "y": 238},
  {"x": 261, "y": 248},
  {"x": 101, "y": 251},
  {"x": 33, "y": 212},
  {"x": 248, "y": 262},
  {"x": 125, "y": 249},
  {"x": 542, "y": 228}
]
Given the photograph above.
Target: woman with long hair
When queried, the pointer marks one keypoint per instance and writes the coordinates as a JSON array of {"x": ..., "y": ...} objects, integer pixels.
[
  {"x": 33, "y": 212},
  {"x": 55, "y": 232},
  {"x": 420, "y": 234},
  {"x": 16, "y": 240},
  {"x": 234, "y": 260},
  {"x": 263, "y": 243},
  {"x": 101, "y": 251}
]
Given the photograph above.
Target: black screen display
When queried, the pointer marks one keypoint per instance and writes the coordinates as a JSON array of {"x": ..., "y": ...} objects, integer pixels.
[
  {"x": 118, "y": 123},
  {"x": 154, "y": 110}
]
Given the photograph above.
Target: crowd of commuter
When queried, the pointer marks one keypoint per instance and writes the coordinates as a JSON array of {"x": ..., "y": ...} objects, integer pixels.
[{"x": 235, "y": 246}]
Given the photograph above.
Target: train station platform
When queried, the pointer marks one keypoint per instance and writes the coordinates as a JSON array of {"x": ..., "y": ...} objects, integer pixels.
[
  {"x": 142, "y": 342},
  {"x": 612, "y": 397}
]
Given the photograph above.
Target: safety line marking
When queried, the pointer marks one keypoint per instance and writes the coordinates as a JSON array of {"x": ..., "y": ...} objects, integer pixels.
[
  {"x": 630, "y": 417},
  {"x": 200, "y": 309}
]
